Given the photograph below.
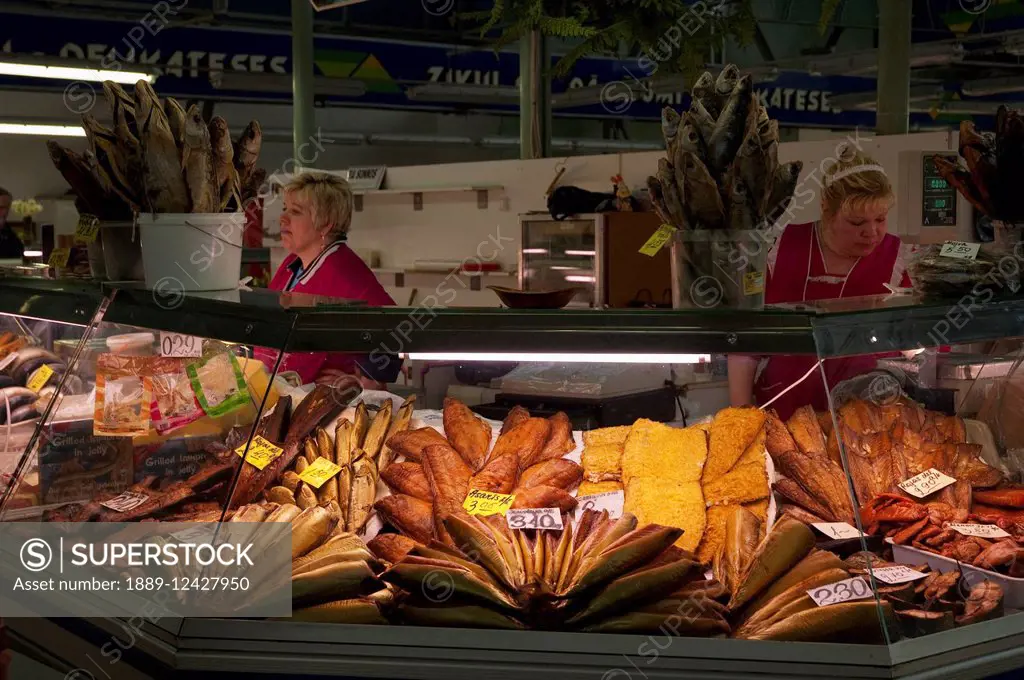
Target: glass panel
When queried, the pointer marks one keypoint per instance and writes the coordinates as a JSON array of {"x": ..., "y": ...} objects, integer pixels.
[
  {"x": 927, "y": 435},
  {"x": 35, "y": 355},
  {"x": 149, "y": 418}
]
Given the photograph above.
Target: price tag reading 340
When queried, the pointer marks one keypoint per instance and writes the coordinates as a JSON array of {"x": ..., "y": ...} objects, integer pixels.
[
  {"x": 262, "y": 452},
  {"x": 535, "y": 518},
  {"x": 487, "y": 503},
  {"x": 855, "y": 588},
  {"x": 927, "y": 483},
  {"x": 177, "y": 345},
  {"x": 959, "y": 250}
]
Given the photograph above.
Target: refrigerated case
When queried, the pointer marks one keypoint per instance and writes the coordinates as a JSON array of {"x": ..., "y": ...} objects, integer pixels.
[{"x": 275, "y": 326}]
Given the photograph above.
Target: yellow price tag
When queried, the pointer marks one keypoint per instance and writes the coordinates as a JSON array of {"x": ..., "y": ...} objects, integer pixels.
[
  {"x": 319, "y": 472},
  {"x": 38, "y": 380},
  {"x": 753, "y": 283},
  {"x": 59, "y": 257},
  {"x": 261, "y": 452},
  {"x": 486, "y": 503},
  {"x": 88, "y": 228},
  {"x": 658, "y": 240}
]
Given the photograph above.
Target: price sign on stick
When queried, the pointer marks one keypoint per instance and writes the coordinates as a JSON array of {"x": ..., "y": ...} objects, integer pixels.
[
  {"x": 837, "y": 530},
  {"x": 319, "y": 472},
  {"x": 87, "y": 229},
  {"x": 855, "y": 588},
  {"x": 129, "y": 500},
  {"x": 959, "y": 250},
  {"x": 535, "y": 518},
  {"x": 612, "y": 501},
  {"x": 658, "y": 240},
  {"x": 979, "y": 530},
  {"x": 897, "y": 574},
  {"x": 926, "y": 483},
  {"x": 487, "y": 503},
  {"x": 262, "y": 452},
  {"x": 59, "y": 258}
]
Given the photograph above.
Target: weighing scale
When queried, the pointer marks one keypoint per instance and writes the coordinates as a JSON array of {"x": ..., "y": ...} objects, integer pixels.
[{"x": 929, "y": 209}]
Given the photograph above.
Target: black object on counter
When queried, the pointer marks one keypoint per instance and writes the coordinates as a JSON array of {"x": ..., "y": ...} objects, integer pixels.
[{"x": 588, "y": 414}]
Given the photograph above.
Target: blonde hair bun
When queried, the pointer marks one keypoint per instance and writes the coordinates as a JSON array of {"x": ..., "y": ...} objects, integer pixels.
[
  {"x": 854, "y": 180},
  {"x": 329, "y": 198}
]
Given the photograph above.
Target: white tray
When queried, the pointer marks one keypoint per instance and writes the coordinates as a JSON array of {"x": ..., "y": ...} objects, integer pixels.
[{"x": 1013, "y": 588}]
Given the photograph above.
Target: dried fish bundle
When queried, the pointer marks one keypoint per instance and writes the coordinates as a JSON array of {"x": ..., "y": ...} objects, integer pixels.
[
  {"x": 936, "y": 275},
  {"x": 721, "y": 175},
  {"x": 159, "y": 158},
  {"x": 990, "y": 167}
]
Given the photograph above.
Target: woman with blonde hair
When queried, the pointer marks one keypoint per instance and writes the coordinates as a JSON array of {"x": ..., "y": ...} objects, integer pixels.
[
  {"x": 847, "y": 253},
  {"x": 314, "y": 228}
]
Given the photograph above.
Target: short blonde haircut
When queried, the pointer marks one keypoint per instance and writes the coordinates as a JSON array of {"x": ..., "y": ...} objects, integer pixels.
[
  {"x": 851, "y": 182},
  {"x": 328, "y": 196}
]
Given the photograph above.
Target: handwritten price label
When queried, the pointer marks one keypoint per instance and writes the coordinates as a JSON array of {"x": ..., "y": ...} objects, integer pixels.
[
  {"x": 87, "y": 229},
  {"x": 59, "y": 258},
  {"x": 979, "y": 530},
  {"x": 855, "y": 588},
  {"x": 612, "y": 501},
  {"x": 927, "y": 483},
  {"x": 896, "y": 574},
  {"x": 549, "y": 519},
  {"x": 959, "y": 250},
  {"x": 39, "y": 379},
  {"x": 838, "y": 530},
  {"x": 180, "y": 346},
  {"x": 658, "y": 240},
  {"x": 486, "y": 503},
  {"x": 753, "y": 283},
  {"x": 261, "y": 452},
  {"x": 198, "y": 535},
  {"x": 319, "y": 472},
  {"x": 129, "y": 500}
]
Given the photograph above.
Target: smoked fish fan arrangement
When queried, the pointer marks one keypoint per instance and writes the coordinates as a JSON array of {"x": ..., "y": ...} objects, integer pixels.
[
  {"x": 991, "y": 166},
  {"x": 602, "y": 575},
  {"x": 439, "y": 470},
  {"x": 157, "y": 157}
]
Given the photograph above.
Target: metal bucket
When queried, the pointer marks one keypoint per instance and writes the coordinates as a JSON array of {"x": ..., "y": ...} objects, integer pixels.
[{"x": 724, "y": 268}]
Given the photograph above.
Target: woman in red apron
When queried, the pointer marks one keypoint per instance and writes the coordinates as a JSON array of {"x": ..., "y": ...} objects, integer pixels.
[{"x": 848, "y": 253}]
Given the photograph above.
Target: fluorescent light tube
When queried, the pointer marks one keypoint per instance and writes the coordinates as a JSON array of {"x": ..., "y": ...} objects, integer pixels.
[
  {"x": 42, "y": 130},
  {"x": 71, "y": 73},
  {"x": 535, "y": 251},
  {"x": 580, "y": 279},
  {"x": 580, "y": 253},
  {"x": 33, "y": 253},
  {"x": 638, "y": 358}
]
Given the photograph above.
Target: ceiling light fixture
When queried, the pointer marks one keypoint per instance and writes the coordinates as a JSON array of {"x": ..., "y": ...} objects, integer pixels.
[
  {"x": 42, "y": 130},
  {"x": 31, "y": 67}
]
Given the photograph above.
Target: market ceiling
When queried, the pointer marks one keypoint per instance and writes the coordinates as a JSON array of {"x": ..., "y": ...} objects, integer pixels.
[{"x": 964, "y": 50}]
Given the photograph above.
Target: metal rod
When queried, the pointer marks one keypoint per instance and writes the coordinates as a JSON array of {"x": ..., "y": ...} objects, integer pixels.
[
  {"x": 534, "y": 97},
  {"x": 303, "y": 115},
  {"x": 894, "y": 25}
]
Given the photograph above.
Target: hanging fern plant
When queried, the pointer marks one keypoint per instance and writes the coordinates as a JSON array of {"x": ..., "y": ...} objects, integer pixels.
[{"x": 675, "y": 36}]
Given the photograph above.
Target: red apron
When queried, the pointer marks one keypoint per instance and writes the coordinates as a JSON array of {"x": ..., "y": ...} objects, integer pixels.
[{"x": 796, "y": 273}]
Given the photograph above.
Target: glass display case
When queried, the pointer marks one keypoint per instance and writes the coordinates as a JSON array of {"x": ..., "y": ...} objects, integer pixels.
[{"x": 559, "y": 506}]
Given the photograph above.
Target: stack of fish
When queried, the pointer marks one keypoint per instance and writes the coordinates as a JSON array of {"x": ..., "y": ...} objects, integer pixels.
[
  {"x": 601, "y": 576},
  {"x": 158, "y": 157},
  {"x": 721, "y": 170},
  {"x": 333, "y": 573},
  {"x": 439, "y": 470},
  {"x": 17, "y": 402},
  {"x": 770, "y": 589},
  {"x": 358, "y": 448},
  {"x": 989, "y": 176}
]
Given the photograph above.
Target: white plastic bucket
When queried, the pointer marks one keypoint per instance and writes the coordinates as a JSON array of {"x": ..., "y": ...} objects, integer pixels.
[{"x": 192, "y": 252}]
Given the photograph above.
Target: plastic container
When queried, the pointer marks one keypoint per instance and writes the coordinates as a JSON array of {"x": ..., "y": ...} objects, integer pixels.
[
  {"x": 192, "y": 252},
  {"x": 132, "y": 344},
  {"x": 1013, "y": 588},
  {"x": 122, "y": 251},
  {"x": 724, "y": 268}
]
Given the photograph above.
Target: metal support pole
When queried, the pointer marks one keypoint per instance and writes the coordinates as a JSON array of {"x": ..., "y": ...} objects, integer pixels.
[
  {"x": 894, "y": 24},
  {"x": 534, "y": 97},
  {"x": 303, "y": 115}
]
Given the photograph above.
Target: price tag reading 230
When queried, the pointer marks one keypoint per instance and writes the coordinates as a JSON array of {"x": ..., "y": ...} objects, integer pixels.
[
  {"x": 535, "y": 518},
  {"x": 855, "y": 588}
]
